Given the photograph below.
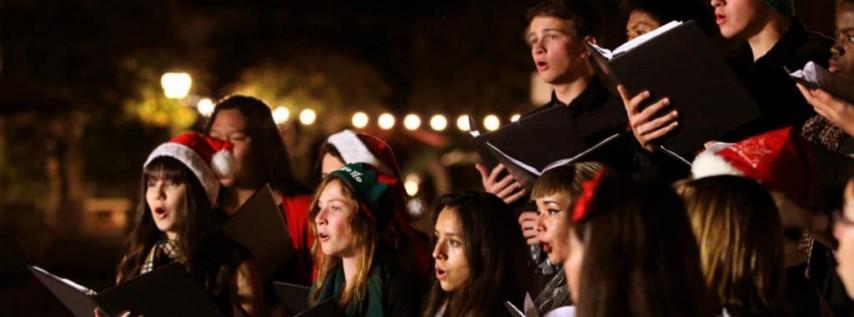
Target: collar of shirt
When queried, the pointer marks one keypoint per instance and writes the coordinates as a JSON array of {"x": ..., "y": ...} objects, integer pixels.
[{"x": 594, "y": 96}]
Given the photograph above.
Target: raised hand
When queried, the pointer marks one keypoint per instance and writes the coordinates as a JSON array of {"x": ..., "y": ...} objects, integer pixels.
[{"x": 645, "y": 124}]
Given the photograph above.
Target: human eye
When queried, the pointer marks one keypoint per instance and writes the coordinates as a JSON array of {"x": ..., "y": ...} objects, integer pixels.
[
  {"x": 553, "y": 211},
  {"x": 455, "y": 243},
  {"x": 238, "y": 137}
]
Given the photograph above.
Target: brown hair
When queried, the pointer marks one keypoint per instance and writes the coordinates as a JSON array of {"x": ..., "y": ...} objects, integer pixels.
[
  {"x": 640, "y": 257},
  {"x": 365, "y": 241},
  {"x": 495, "y": 255},
  {"x": 583, "y": 16},
  {"x": 740, "y": 236}
]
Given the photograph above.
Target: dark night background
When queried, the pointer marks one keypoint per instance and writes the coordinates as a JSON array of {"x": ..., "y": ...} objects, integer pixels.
[{"x": 81, "y": 104}]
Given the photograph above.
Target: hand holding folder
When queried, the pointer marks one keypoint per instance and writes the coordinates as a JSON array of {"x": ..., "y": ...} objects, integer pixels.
[{"x": 678, "y": 62}]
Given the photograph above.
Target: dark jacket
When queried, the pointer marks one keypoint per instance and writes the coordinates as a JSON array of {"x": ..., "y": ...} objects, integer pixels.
[{"x": 766, "y": 79}]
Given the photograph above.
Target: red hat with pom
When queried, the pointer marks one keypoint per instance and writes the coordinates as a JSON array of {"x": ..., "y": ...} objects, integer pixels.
[
  {"x": 206, "y": 157},
  {"x": 777, "y": 159}
]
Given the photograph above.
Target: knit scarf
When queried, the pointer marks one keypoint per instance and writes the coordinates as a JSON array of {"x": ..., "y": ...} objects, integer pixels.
[{"x": 371, "y": 305}]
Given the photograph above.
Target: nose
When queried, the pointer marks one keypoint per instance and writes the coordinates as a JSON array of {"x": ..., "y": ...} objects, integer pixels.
[
  {"x": 320, "y": 218},
  {"x": 439, "y": 250},
  {"x": 540, "y": 225},
  {"x": 537, "y": 47},
  {"x": 160, "y": 190},
  {"x": 837, "y": 48}
]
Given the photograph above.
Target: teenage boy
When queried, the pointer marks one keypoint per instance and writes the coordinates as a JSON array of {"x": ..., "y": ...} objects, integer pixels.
[{"x": 556, "y": 34}]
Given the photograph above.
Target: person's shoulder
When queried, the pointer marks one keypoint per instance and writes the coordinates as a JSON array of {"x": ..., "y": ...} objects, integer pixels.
[{"x": 537, "y": 110}]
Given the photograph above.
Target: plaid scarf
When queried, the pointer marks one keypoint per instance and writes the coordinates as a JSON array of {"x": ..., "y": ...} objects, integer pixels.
[{"x": 163, "y": 252}]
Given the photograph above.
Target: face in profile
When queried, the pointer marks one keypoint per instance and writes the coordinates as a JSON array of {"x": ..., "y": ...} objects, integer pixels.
[
  {"x": 335, "y": 213},
  {"x": 640, "y": 23},
  {"x": 452, "y": 266},
  {"x": 553, "y": 226},
  {"x": 843, "y": 230},
  {"x": 556, "y": 48},
  {"x": 167, "y": 202},
  {"x": 842, "y": 56},
  {"x": 230, "y": 125},
  {"x": 738, "y": 19},
  {"x": 572, "y": 266}
]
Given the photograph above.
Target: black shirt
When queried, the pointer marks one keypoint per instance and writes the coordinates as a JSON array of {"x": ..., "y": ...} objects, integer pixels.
[
  {"x": 779, "y": 100},
  {"x": 596, "y": 115}
]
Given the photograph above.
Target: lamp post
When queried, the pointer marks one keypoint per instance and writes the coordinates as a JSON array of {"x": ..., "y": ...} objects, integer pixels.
[{"x": 176, "y": 85}]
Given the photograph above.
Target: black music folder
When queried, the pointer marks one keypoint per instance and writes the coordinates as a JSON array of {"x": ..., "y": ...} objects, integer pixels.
[
  {"x": 293, "y": 296},
  {"x": 77, "y": 298},
  {"x": 678, "y": 61},
  {"x": 539, "y": 142},
  {"x": 167, "y": 291},
  {"x": 258, "y": 225}
]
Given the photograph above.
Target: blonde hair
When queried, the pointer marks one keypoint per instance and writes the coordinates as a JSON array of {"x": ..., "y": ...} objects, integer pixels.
[
  {"x": 740, "y": 236},
  {"x": 365, "y": 239}
]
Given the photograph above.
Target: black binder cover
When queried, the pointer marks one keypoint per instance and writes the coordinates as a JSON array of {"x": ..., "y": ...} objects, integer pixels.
[
  {"x": 539, "y": 142},
  {"x": 166, "y": 291},
  {"x": 293, "y": 296},
  {"x": 77, "y": 300},
  {"x": 682, "y": 65},
  {"x": 258, "y": 225}
]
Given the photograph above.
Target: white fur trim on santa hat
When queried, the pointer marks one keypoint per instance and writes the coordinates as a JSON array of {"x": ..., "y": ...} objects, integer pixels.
[
  {"x": 352, "y": 150},
  {"x": 223, "y": 163},
  {"x": 194, "y": 162},
  {"x": 708, "y": 164}
]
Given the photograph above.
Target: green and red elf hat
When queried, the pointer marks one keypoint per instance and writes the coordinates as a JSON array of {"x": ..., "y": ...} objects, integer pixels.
[{"x": 371, "y": 188}]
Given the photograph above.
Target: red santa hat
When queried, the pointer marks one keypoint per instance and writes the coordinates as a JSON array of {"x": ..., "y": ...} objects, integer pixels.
[
  {"x": 206, "y": 157},
  {"x": 365, "y": 148},
  {"x": 777, "y": 159}
]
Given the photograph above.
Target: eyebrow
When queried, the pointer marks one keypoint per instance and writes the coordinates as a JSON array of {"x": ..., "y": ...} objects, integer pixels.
[
  {"x": 530, "y": 33},
  {"x": 452, "y": 234}
]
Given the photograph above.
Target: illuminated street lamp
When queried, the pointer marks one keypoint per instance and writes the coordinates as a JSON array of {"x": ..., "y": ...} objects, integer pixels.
[
  {"x": 438, "y": 122},
  {"x": 281, "y": 114},
  {"x": 307, "y": 117},
  {"x": 176, "y": 85},
  {"x": 412, "y": 122},
  {"x": 386, "y": 121},
  {"x": 205, "y": 107},
  {"x": 491, "y": 122},
  {"x": 360, "y": 120}
]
